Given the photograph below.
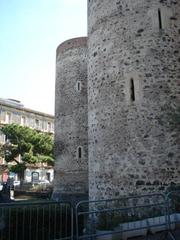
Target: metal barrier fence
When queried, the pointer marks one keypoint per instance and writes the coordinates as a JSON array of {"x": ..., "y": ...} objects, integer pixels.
[
  {"x": 173, "y": 203},
  {"x": 101, "y": 220},
  {"x": 121, "y": 218},
  {"x": 45, "y": 220}
]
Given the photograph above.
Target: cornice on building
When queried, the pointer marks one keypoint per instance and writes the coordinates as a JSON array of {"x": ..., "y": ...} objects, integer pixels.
[{"x": 22, "y": 108}]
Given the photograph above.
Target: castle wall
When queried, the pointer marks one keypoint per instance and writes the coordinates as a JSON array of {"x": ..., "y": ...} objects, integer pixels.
[
  {"x": 133, "y": 89},
  {"x": 71, "y": 150}
]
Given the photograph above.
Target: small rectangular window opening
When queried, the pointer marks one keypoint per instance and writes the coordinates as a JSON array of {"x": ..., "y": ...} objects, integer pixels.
[
  {"x": 37, "y": 122},
  {"x": 132, "y": 91},
  {"x": 49, "y": 126},
  {"x": 79, "y": 86},
  {"x": 79, "y": 152},
  {"x": 160, "y": 18}
]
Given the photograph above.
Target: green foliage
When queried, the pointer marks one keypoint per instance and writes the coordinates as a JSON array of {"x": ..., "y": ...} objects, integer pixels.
[
  {"x": 18, "y": 168},
  {"x": 1, "y": 150},
  {"x": 33, "y": 146}
]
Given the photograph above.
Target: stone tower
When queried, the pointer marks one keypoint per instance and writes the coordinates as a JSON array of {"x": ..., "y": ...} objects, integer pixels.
[
  {"x": 71, "y": 173},
  {"x": 133, "y": 89}
]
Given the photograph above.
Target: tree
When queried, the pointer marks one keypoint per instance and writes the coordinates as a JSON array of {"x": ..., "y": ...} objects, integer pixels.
[
  {"x": 1, "y": 150},
  {"x": 33, "y": 146}
]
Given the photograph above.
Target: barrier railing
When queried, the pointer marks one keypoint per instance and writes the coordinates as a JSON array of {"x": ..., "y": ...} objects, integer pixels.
[
  {"x": 121, "y": 218},
  {"x": 173, "y": 203},
  {"x": 101, "y": 220},
  {"x": 36, "y": 221}
]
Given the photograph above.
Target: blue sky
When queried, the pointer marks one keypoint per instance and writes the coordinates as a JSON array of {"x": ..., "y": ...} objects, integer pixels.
[{"x": 30, "y": 31}]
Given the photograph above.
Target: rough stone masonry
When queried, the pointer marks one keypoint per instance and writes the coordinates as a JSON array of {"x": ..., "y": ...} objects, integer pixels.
[
  {"x": 71, "y": 136},
  {"x": 128, "y": 84}
]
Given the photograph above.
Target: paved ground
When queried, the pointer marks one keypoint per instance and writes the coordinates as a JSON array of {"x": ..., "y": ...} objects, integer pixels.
[
  {"x": 28, "y": 198},
  {"x": 159, "y": 236}
]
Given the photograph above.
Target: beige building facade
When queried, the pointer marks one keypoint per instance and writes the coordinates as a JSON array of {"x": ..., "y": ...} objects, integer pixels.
[{"x": 13, "y": 111}]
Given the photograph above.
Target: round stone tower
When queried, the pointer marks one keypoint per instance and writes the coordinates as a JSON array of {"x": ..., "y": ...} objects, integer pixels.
[
  {"x": 133, "y": 96},
  {"x": 71, "y": 173}
]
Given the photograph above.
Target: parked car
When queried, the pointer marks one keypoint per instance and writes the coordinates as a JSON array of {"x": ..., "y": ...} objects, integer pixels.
[
  {"x": 16, "y": 183},
  {"x": 44, "y": 181}
]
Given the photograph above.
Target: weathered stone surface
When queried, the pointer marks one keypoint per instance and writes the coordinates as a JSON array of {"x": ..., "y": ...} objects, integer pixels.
[
  {"x": 130, "y": 140},
  {"x": 71, "y": 173},
  {"x": 133, "y": 88}
]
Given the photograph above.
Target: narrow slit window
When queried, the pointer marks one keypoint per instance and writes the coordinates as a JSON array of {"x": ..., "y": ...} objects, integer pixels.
[
  {"x": 132, "y": 90},
  {"x": 160, "y": 19},
  {"x": 49, "y": 127},
  {"x": 78, "y": 86},
  {"x": 79, "y": 152},
  {"x": 36, "y": 123}
]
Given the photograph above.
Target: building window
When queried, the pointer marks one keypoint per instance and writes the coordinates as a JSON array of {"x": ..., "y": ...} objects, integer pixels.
[
  {"x": 79, "y": 152},
  {"x": 48, "y": 176},
  {"x": 8, "y": 118},
  {"x": 52, "y": 127},
  {"x": 78, "y": 86},
  {"x": 160, "y": 19},
  {"x": 133, "y": 87},
  {"x": 132, "y": 90},
  {"x": 49, "y": 127},
  {"x": 23, "y": 121},
  {"x": 35, "y": 177},
  {"x": 36, "y": 123}
]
